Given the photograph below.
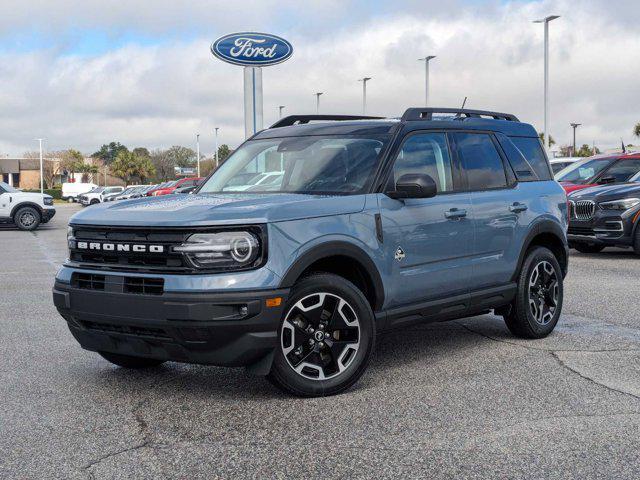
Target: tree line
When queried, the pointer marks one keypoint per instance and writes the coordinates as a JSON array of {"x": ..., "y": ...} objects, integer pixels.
[{"x": 135, "y": 165}]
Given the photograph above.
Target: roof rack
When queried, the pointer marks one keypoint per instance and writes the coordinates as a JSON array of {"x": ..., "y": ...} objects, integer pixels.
[
  {"x": 301, "y": 119},
  {"x": 428, "y": 113}
]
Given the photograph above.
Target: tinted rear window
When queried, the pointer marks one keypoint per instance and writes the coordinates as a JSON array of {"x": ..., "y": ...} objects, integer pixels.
[
  {"x": 481, "y": 161},
  {"x": 532, "y": 150}
]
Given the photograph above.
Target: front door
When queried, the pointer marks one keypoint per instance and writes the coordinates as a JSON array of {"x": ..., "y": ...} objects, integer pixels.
[
  {"x": 5, "y": 203},
  {"x": 427, "y": 241}
]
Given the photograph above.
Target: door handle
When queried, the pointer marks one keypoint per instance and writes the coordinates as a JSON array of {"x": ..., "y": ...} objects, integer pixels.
[
  {"x": 455, "y": 213},
  {"x": 518, "y": 207}
]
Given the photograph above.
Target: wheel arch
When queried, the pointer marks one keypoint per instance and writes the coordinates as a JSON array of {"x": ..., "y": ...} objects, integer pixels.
[
  {"x": 548, "y": 234},
  {"x": 26, "y": 204},
  {"x": 344, "y": 259}
]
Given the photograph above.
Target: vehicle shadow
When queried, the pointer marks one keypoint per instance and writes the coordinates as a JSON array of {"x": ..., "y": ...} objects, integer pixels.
[{"x": 395, "y": 350}]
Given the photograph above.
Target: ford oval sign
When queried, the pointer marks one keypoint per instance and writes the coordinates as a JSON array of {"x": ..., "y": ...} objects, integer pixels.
[{"x": 252, "y": 49}]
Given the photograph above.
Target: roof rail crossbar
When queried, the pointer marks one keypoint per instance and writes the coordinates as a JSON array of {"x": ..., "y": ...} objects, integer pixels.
[
  {"x": 428, "y": 114},
  {"x": 301, "y": 119}
]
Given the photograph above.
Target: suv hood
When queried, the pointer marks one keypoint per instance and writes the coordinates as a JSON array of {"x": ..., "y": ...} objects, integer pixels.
[
  {"x": 219, "y": 209},
  {"x": 607, "y": 192},
  {"x": 31, "y": 196}
]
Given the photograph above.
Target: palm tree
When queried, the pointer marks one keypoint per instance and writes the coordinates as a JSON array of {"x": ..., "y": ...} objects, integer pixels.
[{"x": 636, "y": 130}]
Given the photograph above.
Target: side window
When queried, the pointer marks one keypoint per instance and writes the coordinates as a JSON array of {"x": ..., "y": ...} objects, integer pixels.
[
  {"x": 531, "y": 149},
  {"x": 523, "y": 170},
  {"x": 623, "y": 170},
  {"x": 480, "y": 160},
  {"x": 426, "y": 153}
]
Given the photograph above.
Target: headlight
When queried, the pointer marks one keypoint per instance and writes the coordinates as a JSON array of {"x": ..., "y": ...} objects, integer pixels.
[
  {"x": 625, "y": 204},
  {"x": 48, "y": 200},
  {"x": 232, "y": 250}
]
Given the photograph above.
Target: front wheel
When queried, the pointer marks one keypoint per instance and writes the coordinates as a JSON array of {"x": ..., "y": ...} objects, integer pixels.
[
  {"x": 27, "y": 218},
  {"x": 127, "y": 361},
  {"x": 588, "y": 248},
  {"x": 326, "y": 337},
  {"x": 536, "y": 309}
]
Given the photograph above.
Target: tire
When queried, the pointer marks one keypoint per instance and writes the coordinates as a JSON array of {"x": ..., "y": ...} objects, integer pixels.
[
  {"x": 588, "y": 248},
  {"x": 532, "y": 314},
  {"x": 127, "y": 361},
  {"x": 309, "y": 366},
  {"x": 94, "y": 201},
  {"x": 27, "y": 218}
]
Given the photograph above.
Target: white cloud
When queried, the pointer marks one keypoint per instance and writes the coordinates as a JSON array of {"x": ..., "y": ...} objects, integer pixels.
[{"x": 162, "y": 95}]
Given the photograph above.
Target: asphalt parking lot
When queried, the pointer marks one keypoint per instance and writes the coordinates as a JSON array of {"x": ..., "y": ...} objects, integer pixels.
[{"x": 452, "y": 400}]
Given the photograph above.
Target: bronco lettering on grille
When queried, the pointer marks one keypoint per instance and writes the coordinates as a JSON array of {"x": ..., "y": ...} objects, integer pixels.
[{"x": 120, "y": 247}]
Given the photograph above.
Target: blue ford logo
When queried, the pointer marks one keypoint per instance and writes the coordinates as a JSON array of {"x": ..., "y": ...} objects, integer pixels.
[{"x": 252, "y": 49}]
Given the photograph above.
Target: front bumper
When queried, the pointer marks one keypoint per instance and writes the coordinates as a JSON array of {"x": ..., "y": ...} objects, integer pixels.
[
  {"x": 48, "y": 214},
  {"x": 607, "y": 229},
  {"x": 205, "y": 328}
]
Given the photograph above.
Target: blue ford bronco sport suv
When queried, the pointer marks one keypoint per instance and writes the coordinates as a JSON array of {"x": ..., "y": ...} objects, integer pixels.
[{"x": 315, "y": 235}]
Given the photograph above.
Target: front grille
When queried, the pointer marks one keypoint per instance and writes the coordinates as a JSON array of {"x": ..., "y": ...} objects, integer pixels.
[
  {"x": 150, "y": 332},
  {"x": 166, "y": 261},
  {"x": 143, "y": 285},
  {"x": 587, "y": 231},
  {"x": 582, "y": 209},
  {"x": 118, "y": 284},
  {"x": 89, "y": 281}
]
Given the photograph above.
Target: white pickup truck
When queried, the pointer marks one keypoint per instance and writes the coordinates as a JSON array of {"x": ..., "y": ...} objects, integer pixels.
[
  {"x": 24, "y": 209},
  {"x": 97, "y": 195}
]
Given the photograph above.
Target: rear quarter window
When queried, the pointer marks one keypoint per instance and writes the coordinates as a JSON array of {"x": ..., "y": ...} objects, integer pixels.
[{"x": 531, "y": 149}]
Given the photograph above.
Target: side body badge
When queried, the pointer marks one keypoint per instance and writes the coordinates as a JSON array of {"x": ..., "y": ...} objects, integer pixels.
[{"x": 399, "y": 254}]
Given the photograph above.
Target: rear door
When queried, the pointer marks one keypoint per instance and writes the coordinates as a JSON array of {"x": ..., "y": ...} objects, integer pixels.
[
  {"x": 427, "y": 241},
  {"x": 497, "y": 207}
]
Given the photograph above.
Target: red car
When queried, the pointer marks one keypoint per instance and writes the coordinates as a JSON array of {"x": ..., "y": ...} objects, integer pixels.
[
  {"x": 170, "y": 187},
  {"x": 599, "y": 170}
]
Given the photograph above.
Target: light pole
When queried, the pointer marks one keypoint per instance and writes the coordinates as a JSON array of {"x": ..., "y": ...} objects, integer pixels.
[
  {"x": 317, "y": 94},
  {"x": 574, "y": 126},
  {"x": 41, "y": 168},
  {"x": 198, "y": 152},
  {"x": 364, "y": 93},
  {"x": 426, "y": 77},
  {"x": 280, "y": 108},
  {"x": 546, "y": 21},
  {"x": 217, "y": 164}
]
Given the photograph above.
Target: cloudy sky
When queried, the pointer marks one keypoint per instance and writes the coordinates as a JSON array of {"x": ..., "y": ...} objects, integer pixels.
[{"x": 81, "y": 72}]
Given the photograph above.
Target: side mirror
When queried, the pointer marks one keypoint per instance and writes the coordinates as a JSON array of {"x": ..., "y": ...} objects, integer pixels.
[
  {"x": 414, "y": 185},
  {"x": 605, "y": 180}
]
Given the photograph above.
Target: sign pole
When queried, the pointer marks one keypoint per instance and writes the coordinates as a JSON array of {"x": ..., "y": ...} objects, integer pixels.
[{"x": 252, "y": 101}]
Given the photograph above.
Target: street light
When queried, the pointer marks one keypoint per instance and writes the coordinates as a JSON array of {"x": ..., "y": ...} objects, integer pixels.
[
  {"x": 280, "y": 108},
  {"x": 198, "y": 151},
  {"x": 426, "y": 78},
  {"x": 574, "y": 126},
  {"x": 217, "y": 164},
  {"x": 364, "y": 93},
  {"x": 41, "y": 169},
  {"x": 546, "y": 21},
  {"x": 317, "y": 94}
]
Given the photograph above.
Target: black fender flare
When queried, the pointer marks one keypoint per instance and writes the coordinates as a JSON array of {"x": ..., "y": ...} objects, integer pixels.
[
  {"x": 333, "y": 249},
  {"x": 26, "y": 204},
  {"x": 543, "y": 226}
]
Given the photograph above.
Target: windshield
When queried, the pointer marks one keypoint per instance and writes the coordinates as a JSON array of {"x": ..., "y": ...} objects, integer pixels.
[
  {"x": 5, "y": 187},
  {"x": 96, "y": 190},
  {"x": 583, "y": 171},
  {"x": 314, "y": 165}
]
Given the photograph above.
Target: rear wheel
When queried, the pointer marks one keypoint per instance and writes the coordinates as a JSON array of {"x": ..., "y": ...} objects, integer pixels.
[
  {"x": 536, "y": 309},
  {"x": 128, "y": 361},
  {"x": 326, "y": 337},
  {"x": 27, "y": 218},
  {"x": 588, "y": 248}
]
